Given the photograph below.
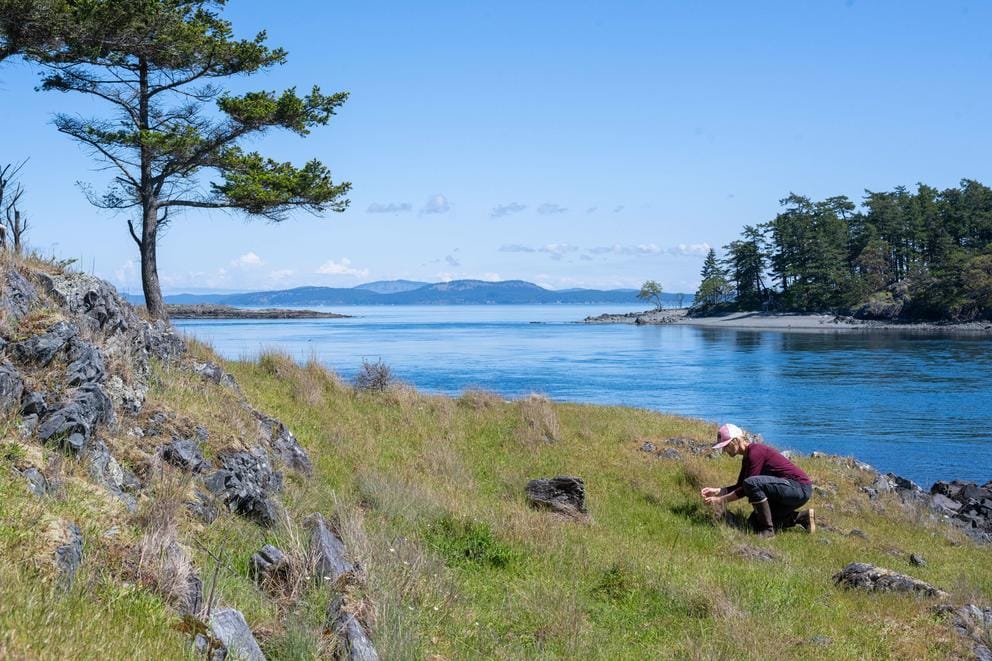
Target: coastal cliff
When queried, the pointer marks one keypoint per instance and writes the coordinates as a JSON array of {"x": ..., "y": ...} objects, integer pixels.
[{"x": 156, "y": 500}]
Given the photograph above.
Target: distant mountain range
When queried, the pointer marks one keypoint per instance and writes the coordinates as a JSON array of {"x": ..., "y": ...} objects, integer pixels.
[{"x": 408, "y": 292}]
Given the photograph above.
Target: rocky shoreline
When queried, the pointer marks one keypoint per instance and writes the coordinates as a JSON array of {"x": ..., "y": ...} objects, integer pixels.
[
  {"x": 204, "y": 311},
  {"x": 781, "y": 321}
]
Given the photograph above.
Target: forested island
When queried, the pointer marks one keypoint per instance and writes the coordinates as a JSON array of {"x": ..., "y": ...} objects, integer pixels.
[{"x": 899, "y": 256}]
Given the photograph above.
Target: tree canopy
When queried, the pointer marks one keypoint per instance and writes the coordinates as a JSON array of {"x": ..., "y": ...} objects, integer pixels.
[
  {"x": 923, "y": 254},
  {"x": 651, "y": 291}
]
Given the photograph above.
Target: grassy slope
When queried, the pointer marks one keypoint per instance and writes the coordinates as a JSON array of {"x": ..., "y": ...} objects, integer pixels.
[{"x": 428, "y": 492}]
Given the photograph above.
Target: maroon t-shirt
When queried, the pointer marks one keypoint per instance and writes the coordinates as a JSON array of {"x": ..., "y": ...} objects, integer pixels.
[{"x": 765, "y": 460}]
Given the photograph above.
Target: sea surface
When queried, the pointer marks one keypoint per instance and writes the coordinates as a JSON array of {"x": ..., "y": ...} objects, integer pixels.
[{"x": 916, "y": 405}]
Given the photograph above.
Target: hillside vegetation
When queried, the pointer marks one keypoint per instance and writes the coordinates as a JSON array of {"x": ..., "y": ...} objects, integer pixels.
[{"x": 427, "y": 494}]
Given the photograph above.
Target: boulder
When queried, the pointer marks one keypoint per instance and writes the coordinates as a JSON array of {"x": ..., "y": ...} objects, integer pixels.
[
  {"x": 93, "y": 299},
  {"x": 565, "y": 495},
  {"x": 268, "y": 563},
  {"x": 916, "y": 560},
  {"x": 41, "y": 349},
  {"x": 755, "y": 553},
  {"x": 202, "y": 507},
  {"x": 671, "y": 453},
  {"x": 245, "y": 483},
  {"x": 868, "y": 577},
  {"x": 162, "y": 342},
  {"x": 11, "y": 387},
  {"x": 213, "y": 372},
  {"x": 648, "y": 447},
  {"x": 282, "y": 443},
  {"x": 87, "y": 364},
  {"x": 228, "y": 626},
  {"x": 33, "y": 403},
  {"x": 185, "y": 454},
  {"x": 17, "y": 294},
  {"x": 332, "y": 561},
  {"x": 356, "y": 642}
]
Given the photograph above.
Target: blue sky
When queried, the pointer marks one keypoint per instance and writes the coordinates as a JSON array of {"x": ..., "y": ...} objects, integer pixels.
[{"x": 570, "y": 144}]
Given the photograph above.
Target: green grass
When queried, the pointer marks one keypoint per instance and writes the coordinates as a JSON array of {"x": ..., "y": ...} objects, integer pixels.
[{"x": 428, "y": 493}]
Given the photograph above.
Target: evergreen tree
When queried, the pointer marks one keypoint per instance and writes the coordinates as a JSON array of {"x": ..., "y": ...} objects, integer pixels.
[
  {"x": 714, "y": 287},
  {"x": 158, "y": 64}
]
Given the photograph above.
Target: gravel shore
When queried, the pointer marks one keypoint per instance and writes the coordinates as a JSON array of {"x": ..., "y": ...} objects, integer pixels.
[{"x": 787, "y": 322}]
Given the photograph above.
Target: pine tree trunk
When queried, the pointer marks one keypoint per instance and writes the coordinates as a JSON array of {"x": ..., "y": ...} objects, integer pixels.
[{"x": 154, "y": 302}]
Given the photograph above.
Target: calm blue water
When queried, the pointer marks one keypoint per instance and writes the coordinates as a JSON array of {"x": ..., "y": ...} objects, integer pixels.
[{"x": 920, "y": 406}]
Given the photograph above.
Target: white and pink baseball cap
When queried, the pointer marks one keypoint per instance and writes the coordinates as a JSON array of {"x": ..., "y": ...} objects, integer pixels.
[{"x": 727, "y": 433}]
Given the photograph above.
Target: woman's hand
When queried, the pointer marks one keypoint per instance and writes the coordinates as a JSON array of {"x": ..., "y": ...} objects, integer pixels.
[
  {"x": 706, "y": 492},
  {"x": 713, "y": 500}
]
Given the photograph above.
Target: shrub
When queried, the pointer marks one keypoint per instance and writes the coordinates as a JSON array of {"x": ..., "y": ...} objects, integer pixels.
[
  {"x": 374, "y": 377},
  {"x": 468, "y": 543}
]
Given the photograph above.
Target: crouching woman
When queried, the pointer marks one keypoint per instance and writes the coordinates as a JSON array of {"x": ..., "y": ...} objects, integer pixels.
[{"x": 774, "y": 486}]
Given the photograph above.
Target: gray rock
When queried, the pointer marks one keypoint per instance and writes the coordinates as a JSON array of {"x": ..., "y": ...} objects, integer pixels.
[
  {"x": 974, "y": 623},
  {"x": 17, "y": 295},
  {"x": 129, "y": 397},
  {"x": 162, "y": 342},
  {"x": 883, "y": 484},
  {"x": 95, "y": 300},
  {"x": 71, "y": 425},
  {"x": 245, "y": 484},
  {"x": 202, "y": 507},
  {"x": 11, "y": 387},
  {"x": 41, "y": 349},
  {"x": 105, "y": 471},
  {"x": 821, "y": 641},
  {"x": 648, "y": 447},
  {"x": 282, "y": 442},
  {"x": 755, "y": 553},
  {"x": 872, "y": 492},
  {"x": 69, "y": 556},
  {"x": 565, "y": 495},
  {"x": 357, "y": 644},
  {"x": 860, "y": 534},
  {"x": 943, "y": 503},
  {"x": 916, "y": 560},
  {"x": 213, "y": 372},
  {"x": 268, "y": 563},
  {"x": 87, "y": 364},
  {"x": 229, "y": 627},
  {"x": 185, "y": 454},
  {"x": 37, "y": 482},
  {"x": 332, "y": 560},
  {"x": 671, "y": 453},
  {"x": 868, "y": 577},
  {"x": 33, "y": 403}
]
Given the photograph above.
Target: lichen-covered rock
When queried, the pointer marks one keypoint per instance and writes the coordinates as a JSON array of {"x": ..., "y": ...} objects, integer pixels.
[
  {"x": 11, "y": 387},
  {"x": 17, "y": 295},
  {"x": 282, "y": 443},
  {"x": 202, "y": 507},
  {"x": 69, "y": 554},
  {"x": 93, "y": 299},
  {"x": 356, "y": 642},
  {"x": 162, "y": 341},
  {"x": 87, "y": 364},
  {"x": 72, "y": 423},
  {"x": 868, "y": 577},
  {"x": 565, "y": 495},
  {"x": 213, "y": 372},
  {"x": 129, "y": 397},
  {"x": 329, "y": 550},
  {"x": 105, "y": 470},
  {"x": 37, "y": 482},
  {"x": 229, "y": 627},
  {"x": 185, "y": 454},
  {"x": 41, "y": 349},
  {"x": 246, "y": 483}
]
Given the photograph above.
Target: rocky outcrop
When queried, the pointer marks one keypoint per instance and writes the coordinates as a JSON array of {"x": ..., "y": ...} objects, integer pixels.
[
  {"x": 246, "y": 483},
  {"x": 41, "y": 349},
  {"x": 105, "y": 470},
  {"x": 864, "y": 576},
  {"x": 17, "y": 295},
  {"x": 564, "y": 495},
  {"x": 11, "y": 387},
  {"x": 967, "y": 505},
  {"x": 356, "y": 643},
  {"x": 185, "y": 454},
  {"x": 69, "y": 554},
  {"x": 973, "y": 623},
  {"x": 282, "y": 443},
  {"x": 71, "y": 424},
  {"x": 228, "y": 627},
  {"x": 87, "y": 364}
]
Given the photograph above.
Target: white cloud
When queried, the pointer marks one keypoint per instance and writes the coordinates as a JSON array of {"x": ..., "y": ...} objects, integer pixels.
[
  {"x": 392, "y": 207},
  {"x": 281, "y": 274},
  {"x": 550, "y": 208},
  {"x": 690, "y": 249},
  {"x": 516, "y": 247},
  {"x": 436, "y": 204},
  {"x": 640, "y": 249},
  {"x": 558, "y": 250},
  {"x": 126, "y": 273},
  {"x": 342, "y": 267},
  {"x": 506, "y": 209},
  {"x": 247, "y": 261}
]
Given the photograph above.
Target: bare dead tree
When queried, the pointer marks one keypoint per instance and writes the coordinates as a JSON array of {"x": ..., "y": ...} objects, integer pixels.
[{"x": 13, "y": 225}]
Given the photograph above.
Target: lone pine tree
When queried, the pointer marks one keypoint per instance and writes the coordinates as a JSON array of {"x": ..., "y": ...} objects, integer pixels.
[{"x": 159, "y": 64}]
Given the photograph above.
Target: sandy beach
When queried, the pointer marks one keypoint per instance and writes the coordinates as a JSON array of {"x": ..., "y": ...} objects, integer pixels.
[{"x": 787, "y": 322}]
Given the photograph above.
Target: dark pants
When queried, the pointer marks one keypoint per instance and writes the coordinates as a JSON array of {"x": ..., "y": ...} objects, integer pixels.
[{"x": 784, "y": 496}]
